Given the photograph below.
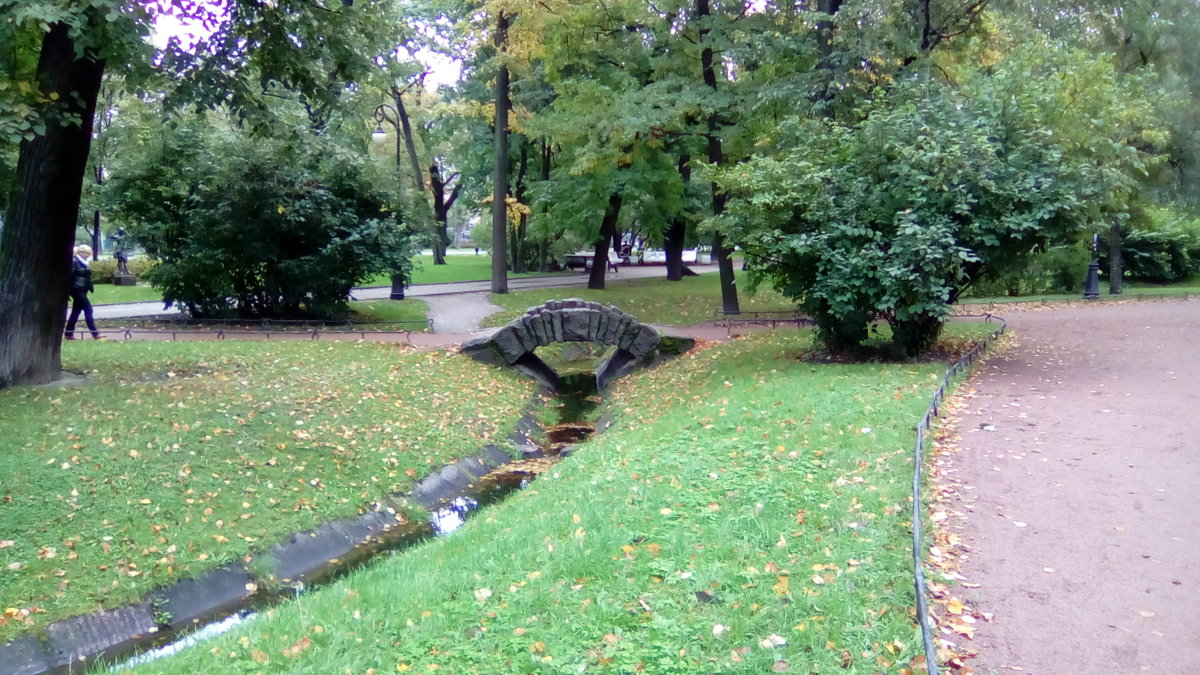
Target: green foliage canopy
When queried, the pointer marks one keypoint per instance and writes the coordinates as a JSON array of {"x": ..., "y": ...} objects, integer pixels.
[{"x": 893, "y": 216}]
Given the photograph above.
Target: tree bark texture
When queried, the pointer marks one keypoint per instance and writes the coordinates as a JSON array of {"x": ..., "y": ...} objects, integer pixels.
[
  {"x": 35, "y": 244},
  {"x": 441, "y": 208},
  {"x": 677, "y": 229},
  {"x": 608, "y": 228},
  {"x": 716, "y": 157},
  {"x": 500, "y": 174}
]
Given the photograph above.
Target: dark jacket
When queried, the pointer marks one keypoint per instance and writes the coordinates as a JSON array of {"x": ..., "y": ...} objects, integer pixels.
[{"x": 81, "y": 277}]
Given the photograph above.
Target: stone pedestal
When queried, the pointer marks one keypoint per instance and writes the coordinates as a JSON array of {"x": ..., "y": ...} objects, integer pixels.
[{"x": 124, "y": 280}]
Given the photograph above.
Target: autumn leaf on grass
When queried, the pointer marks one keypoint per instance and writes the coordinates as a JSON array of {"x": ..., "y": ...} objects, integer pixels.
[
  {"x": 781, "y": 588},
  {"x": 297, "y": 648}
]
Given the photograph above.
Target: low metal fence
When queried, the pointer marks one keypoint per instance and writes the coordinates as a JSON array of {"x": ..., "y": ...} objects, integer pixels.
[
  {"x": 964, "y": 362},
  {"x": 182, "y": 330},
  {"x": 772, "y": 318},
  {"x": 1050, "y": 300}
]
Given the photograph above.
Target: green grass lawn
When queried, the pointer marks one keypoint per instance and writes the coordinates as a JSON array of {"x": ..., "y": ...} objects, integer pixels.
[
  {"x": 677, "y": 303},
  {"x": 457, "y": 268},
  {"x": 747, "y": 514},
  {"x": 177, "y": 457},
  {"x": 107, "y": 294},
  {"x": 406, "y": 311}
]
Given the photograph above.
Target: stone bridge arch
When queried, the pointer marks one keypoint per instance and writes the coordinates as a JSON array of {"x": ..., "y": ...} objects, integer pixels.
[{"x": 575, "y": 320}]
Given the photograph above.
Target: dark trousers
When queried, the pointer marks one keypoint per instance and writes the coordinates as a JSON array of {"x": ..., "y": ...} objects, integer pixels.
[{"x": 80, "y": 303}]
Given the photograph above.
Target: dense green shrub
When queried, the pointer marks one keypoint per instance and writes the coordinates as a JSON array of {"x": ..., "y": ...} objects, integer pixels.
[
  {"x": 891, "y": 215},
  {"x": 1165, "y": 247},
  {"x": 247, "y": 227},
  {"x": 1056, "y": 270},
  {"x": 104, "y": 270}
]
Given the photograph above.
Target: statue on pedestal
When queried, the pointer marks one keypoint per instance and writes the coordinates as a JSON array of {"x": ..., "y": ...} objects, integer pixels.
[
  {"x": 120, "y": 251},
  {"x": 123, "y": 276}
]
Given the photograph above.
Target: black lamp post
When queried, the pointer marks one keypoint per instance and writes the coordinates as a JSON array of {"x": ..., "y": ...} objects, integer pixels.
[
  {"x": 1091, "y": 287},
  {"x": 386, "y": 113}
]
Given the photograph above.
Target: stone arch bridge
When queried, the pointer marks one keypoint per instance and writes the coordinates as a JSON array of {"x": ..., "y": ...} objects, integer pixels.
[{"x": 574, "y": 320}]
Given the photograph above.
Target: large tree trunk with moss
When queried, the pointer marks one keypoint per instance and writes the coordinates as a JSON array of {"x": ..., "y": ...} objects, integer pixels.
[
  {"x": 608, "y": 227},
  {"x": 35, "y": 244}
]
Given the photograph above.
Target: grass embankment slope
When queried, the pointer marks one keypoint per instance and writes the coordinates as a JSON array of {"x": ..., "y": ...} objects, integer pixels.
[
  {"x": 747, "y": 514},
  {"x": 175, "y": 458}
]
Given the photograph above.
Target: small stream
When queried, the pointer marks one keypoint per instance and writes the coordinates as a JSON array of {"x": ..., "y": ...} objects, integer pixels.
[{"x": 576, "y": 401}]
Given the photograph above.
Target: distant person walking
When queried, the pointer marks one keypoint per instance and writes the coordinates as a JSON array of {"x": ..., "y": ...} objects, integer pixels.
[{"x": 81, "y": 285}]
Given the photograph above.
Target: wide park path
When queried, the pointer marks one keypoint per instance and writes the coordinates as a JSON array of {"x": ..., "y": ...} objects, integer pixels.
[{"x": 1079, "y": 459}]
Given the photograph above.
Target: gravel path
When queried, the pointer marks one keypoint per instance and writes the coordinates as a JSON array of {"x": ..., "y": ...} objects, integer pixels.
[
  {"x": 1081, "y": 453},
  {"x": 461, "y": 313}
]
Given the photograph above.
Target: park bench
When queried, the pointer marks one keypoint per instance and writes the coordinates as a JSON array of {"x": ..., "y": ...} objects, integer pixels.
[{"x": 772, "y": 318}]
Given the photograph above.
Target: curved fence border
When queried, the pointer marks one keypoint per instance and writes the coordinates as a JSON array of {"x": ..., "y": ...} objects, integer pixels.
[
  {"x": 1046, "y": 300},
  {"x": 302, "y": 331},
  {"x": 964, "y": 362}
]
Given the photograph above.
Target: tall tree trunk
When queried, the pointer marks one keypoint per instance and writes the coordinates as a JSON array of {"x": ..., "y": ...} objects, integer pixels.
[
  {"x": 96, "y": 232},
  {"x": 825, "y": 31},
  {"x": 441, "y": 209},
  {"x": 673, "y": 237},
  {"x": 1116, "y": 271},
  {"x": 608, "y": 228},
  {"x": 102, "y": 125},
  {"x": 716, "y": 157},
  {"x": 500, "y": 174},
  {"x": 414, "y": 164},
  {"x": 35, "y": 244},
  {"x": 543, "y": 261},
  {"x": 518, "y": 233}
]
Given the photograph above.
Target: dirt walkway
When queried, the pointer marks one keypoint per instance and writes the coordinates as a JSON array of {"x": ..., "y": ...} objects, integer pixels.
[
  {"x": 1081, "y": 457},
  {"x": 461, "y": 313}
]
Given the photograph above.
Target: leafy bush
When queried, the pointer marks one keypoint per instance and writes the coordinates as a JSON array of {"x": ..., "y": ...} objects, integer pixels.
[
  {"x": 251, "y": 228},
  {"x": 1165, "y": 248},
  {"x": 890, "y": 217},
  {"x": 103, "y": 271},
  {"x": 1058, "y": 269}
]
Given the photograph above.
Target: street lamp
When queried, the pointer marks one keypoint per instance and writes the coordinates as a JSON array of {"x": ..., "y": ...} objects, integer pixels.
[{"x": 386, "y": 113}]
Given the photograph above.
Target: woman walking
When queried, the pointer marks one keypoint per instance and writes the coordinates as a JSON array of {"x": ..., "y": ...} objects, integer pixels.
[{"x": 81, "y": 285}]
